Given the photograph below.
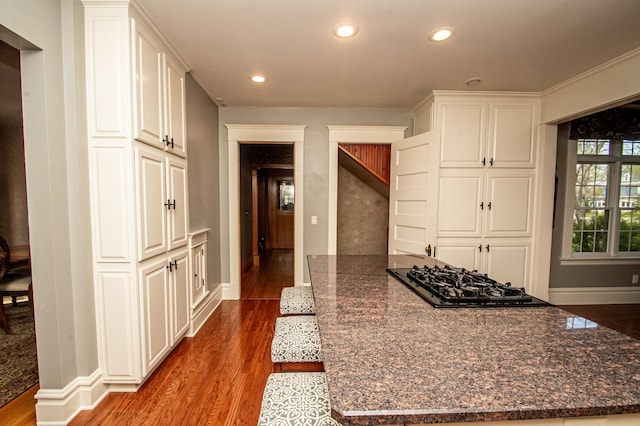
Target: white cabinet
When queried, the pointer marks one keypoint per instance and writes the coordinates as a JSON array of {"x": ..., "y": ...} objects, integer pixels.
[
  {"x": 138, "y": 185},
  {"x": 503, "y": 259},
  {"x": 486, "y": 181},
  {"x": 159, "y": 94},
  {"x": 485, "y": 204},
  {"x": 486, "y": 131},
  {"x": 198, "y": 287},
  {"x": 165, "y": 305},
  {"x": 179, "y": 288},
  {"x": 162, "y": 202}
]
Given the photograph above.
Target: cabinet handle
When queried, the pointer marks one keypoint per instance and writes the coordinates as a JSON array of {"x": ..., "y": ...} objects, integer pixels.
[
  {"x": 434, "y": 251},
  {"x": 487, "y": 248},
  {"x": 482, "y": 205},
  {"x": 480, "y": 248},
  {"x": 484, "y": 161},
  {"x": 172, "y": 148},
  {"x": 490, "y": 161},
  {"x": 428, "y": 250},
  {"x": 488, "y": 205},
  {"x": 169, "y": 204},
  {"x": 172, "y": 265},
  {"x": 166, "y": 140}
]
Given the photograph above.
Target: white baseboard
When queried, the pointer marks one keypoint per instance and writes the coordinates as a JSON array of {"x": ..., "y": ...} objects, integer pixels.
[
  {"x": 594, "y": 295},
  {"x": 228, "y": 293},
  {"x": 204, "y": 310},
  {"x": 60, "y": 406}
]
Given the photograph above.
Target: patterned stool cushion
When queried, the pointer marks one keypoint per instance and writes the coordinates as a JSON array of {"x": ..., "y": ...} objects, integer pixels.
[
  {"x": 297, "y": 300},
  {"x": 296, "y": 339},
  {"x": 292, "y": 399}
]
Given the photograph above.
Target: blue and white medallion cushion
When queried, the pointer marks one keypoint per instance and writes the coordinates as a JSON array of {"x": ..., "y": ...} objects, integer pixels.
[
  {"x": 296, "y": 399},
  {"x": 296, "y": 339},
  {"x": 297, "y": 301}
]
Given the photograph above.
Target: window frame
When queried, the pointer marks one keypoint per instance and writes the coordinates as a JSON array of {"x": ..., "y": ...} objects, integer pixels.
[{"x": 615, "y": 160}]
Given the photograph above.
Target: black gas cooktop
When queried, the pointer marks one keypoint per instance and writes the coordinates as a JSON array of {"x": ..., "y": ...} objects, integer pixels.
[{"x": 447, "y": 287}]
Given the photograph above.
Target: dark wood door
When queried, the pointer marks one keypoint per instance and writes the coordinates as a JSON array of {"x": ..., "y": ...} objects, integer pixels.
[{"x": 280, "y": 201}]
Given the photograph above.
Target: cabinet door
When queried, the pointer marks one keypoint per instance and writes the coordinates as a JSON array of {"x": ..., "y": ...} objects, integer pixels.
[
  {"x": 152, "y": 212},
  {"x": 507, "y": 260},
  {"x": 463, "y": 126},
  {"x": 177, "y": 195},
  {"x": 180, "y": 294},
  {"x": 460, "y": 252},
  {"x": 509, "y": 204},
  {"x": 198, "y": 277},
  {"x": 460, "y": 208},
  {"x": 512, "y": 134},
  {"x": 154, "y": 280},
  {"x": 148, "y": 118},
  {"x": 175, "y": 109}
]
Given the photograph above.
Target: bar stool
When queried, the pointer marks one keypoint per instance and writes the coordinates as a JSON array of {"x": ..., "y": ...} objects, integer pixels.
[
  {"x": 296, "y": 344},
  {"x": 296, "y": 399},
  {"x": 297, "y": 301}
]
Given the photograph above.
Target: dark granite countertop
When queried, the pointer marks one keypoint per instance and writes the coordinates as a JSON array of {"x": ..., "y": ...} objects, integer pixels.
[{"x": 391, "y": 358}]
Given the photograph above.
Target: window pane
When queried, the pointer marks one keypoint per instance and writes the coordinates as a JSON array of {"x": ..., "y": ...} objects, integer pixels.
[
  {"x": 591, "y": 185},
  {"x": 593, "y": 147},
  {"x": 630, "y": 147},
  {"x": 629, "y": 230},
  {"x": 629, "y": 185},
  {"x": 590, "y": 230}
]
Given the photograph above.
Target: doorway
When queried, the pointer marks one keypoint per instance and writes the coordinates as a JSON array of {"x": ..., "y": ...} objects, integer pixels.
[
  {"x": 267, "y": 203},
  {"x": 18, "y": 342}
]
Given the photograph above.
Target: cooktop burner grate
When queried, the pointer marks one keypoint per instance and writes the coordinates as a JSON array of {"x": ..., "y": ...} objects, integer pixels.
[{"x": 451, "y": 287}]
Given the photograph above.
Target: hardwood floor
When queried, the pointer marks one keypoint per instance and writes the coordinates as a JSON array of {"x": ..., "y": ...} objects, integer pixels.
[
  {"x": 266, "y": 280},
  {"x": 217, "y": 377}
]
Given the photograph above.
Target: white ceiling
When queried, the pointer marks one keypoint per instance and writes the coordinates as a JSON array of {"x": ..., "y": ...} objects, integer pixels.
[{"x": 514, "y": 45}]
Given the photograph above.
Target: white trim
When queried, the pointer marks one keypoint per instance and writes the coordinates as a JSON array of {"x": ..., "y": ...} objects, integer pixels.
[
  {"x": 60, "y": 406},
  {"x": 262, "y": 133},
  {"x": 594, "y": 261},
  {"x": 351, "y": 134},
  {"x": 204, "y": 311},
  {"x": 594, "y": 295}
]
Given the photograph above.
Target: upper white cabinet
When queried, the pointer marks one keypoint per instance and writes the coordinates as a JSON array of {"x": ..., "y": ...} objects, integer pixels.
[
  {"x": 138, "y": 185},
  {"x": 159, "y": 94},
  {"x": 486, "y": 131}
]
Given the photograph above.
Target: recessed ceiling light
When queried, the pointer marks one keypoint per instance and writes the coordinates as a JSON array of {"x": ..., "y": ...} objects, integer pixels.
[
  {"x": 441, "y": 34},
  {"x": 258, "y": 78},
  {"x": 345, "y": 30}
]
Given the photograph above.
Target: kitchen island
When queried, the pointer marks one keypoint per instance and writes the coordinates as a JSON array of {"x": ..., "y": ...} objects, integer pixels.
[{"x": 391, "y": 358}]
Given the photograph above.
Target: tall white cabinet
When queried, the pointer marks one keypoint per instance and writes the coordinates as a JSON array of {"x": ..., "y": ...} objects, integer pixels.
[
  {"x": 487, "y": 178},
  {"x": 138, "y": 182}
]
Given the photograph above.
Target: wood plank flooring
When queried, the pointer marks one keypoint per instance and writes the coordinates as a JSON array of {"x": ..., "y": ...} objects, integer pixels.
[
  {"x": 217, "y": 377},
  {"x": 265, "y": 281}
]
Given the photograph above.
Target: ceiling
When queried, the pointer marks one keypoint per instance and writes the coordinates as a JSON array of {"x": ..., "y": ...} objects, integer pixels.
[{"x": 523, "y": 45}]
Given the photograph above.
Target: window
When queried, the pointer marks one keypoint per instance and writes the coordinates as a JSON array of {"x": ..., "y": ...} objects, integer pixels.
[{"x": 606, "y": 213}]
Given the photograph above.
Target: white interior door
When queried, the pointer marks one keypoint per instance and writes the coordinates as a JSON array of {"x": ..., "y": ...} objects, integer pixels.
[{"x": 413, "y": 194}]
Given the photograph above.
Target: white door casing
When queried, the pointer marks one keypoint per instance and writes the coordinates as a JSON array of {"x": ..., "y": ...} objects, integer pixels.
[
  {"x": 262, "y": 133},
  {"x": 413, "y": 194},
  {"x": 341, "y": 134}
]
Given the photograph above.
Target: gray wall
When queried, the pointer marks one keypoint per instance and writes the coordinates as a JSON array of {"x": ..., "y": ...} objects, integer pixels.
[
  {"x": 316, "y": 161},
  {"x": 578, "y": 275},
  {"x": 204, "y": 199},
  {"x": 50, "y": 37},
  {"x": 363, "y": 217}
]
